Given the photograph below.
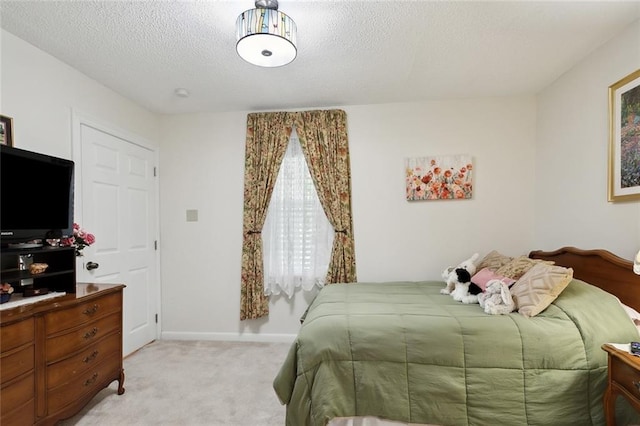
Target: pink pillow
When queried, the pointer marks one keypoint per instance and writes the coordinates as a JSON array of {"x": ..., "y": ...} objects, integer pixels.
[{"x": 482, "y": 277}]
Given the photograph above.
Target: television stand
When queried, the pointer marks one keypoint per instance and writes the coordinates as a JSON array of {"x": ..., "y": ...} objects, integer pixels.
[
  {"x": 60, "y": 275},
  {"x": 25, "y": 245}
]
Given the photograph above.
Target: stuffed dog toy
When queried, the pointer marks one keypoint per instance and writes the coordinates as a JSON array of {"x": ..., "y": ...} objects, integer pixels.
[
  {"x": 451, "y": 278},
  {"x": 465, "y": 291}
]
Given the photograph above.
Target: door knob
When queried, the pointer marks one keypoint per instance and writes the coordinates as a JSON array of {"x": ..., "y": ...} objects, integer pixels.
[{"x": 92, "y": 265}]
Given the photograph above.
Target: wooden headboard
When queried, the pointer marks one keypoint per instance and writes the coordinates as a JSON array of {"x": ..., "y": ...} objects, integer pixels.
[{"x": 600, "y": 268}]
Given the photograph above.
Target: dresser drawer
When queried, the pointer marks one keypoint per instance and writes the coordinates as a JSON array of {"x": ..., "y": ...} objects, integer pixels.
[
  {"x": 83, "y": 385},
  {"x": 81, "y": 314},
  {"x": 17, "y": 394},
  {"x": 66, "y": 344},
  {"x": 16, "y": 362},
  {"x": 626, "y": 376},
  {"x": 16, "y": 334},
  {"x": 70, "y": 368},
  {"x": 20, "y": 416}
]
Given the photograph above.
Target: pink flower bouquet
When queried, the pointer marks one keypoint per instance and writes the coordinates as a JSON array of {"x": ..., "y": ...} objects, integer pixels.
[{"x": 80, "y": 239}]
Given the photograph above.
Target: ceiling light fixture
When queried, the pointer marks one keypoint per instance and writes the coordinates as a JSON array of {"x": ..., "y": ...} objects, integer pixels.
[{"x": 266, "y": 36}]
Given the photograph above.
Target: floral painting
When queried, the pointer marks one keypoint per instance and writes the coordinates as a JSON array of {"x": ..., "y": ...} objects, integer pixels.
[
  {"x": 624, "y": 140},
  {"x": 439, "y": 178}
]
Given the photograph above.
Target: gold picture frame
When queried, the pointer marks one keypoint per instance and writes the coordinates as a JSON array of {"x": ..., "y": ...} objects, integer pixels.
[
  {"x": 6, "y": 130},
  {"x": 624, "y": 139}
]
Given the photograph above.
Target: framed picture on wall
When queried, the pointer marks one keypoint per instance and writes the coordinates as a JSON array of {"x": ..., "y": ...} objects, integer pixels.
[
  {"x": 6, "y": 130},
  {"x": 624, "y": 139},
  {"x": 447, "y": 177}
]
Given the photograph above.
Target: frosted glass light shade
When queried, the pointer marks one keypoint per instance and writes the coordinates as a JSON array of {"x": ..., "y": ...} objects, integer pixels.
[{"x": 266, "y": 37}]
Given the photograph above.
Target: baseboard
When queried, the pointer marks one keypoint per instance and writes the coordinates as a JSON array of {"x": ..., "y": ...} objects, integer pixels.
[{"x": 230, "y": 337}]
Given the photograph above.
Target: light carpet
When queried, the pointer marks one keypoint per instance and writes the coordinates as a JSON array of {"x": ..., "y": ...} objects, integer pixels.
[{"x": 193, "y": 383}]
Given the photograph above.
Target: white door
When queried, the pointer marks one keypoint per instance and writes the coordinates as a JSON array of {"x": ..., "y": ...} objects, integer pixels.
[{"x": 119, "y": 206}]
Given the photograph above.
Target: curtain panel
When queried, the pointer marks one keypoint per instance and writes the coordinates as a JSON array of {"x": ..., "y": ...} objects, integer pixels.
[
  {"x": 324, "y": 141},
  {"x": 266, "y": 143},
  {"x": 323, "y": 137}
]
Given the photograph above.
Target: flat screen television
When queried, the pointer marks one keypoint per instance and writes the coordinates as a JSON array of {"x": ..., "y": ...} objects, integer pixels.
[{"x": 36, "y": 196}]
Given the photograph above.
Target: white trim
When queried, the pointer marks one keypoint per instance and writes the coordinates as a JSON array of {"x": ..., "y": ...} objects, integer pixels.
[
  {"x": 78, "y": 118},
  {"x": 230, "y": 337}
]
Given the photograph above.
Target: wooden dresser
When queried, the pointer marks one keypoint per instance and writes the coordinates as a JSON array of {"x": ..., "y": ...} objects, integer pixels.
[{"x": 56, "y": 355}]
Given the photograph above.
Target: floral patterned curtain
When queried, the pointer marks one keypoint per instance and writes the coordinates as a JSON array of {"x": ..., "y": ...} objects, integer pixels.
[
  {"x": 323, "y": 137},
  {"x": 266, "y": 143}
]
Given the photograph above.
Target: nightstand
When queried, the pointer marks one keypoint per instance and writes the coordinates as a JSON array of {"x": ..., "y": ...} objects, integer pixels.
[{"x": 624, "y": 379}]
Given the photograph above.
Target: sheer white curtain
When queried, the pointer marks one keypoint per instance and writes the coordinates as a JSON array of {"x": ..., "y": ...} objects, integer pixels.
[{"x": 297, "y": 236}]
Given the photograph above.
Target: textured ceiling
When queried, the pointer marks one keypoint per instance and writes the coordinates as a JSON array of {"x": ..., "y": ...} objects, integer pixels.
[{"x": 349, "y": 52}]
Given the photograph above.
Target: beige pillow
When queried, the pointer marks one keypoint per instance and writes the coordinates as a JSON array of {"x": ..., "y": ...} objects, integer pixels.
[
  {"x": 519, "y": 266},
  {"x": 540, "y": 286},
  {"x": 493, "y": 261}
]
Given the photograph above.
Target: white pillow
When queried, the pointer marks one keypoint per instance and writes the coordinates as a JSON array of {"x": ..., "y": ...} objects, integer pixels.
[{"x": 633, "y": 314}]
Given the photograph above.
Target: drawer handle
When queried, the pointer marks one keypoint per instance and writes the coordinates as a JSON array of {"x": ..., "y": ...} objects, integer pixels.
[
  {"x": 92, "y": 333},
  {"x": 637, "y": 385},
  {"x": 92, "y": 310},
  {"x": 91, "y": 380},
  {"x": 90, "y": 357}
]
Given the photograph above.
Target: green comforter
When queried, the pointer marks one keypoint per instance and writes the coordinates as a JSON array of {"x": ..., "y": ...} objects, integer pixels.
[{"x": 402, "y": 351}]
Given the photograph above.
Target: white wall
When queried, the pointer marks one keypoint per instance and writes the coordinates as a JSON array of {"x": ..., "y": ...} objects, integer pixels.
[
  {"x": 571, "y": 155},
  {"x": 39, "y": 92},
  {"x": 201, "y": 167}
]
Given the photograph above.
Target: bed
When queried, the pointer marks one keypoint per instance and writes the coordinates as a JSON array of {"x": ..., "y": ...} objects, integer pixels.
[{"x": 404, "y": 352}]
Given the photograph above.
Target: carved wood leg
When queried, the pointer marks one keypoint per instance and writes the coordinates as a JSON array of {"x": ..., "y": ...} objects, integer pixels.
[
  {"x": 121, "y": 382},
  {"x": 610, "y": 406}
]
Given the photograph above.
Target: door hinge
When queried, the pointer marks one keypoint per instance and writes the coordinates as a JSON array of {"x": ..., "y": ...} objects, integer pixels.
[
  {"x": 156, "y": 318},
  {"x": 155, "y": 171},
  {"x": 155, "y": 245}
]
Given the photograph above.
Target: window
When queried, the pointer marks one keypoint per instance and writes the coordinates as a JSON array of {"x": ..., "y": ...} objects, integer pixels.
[{"x": 297, "y": 235}]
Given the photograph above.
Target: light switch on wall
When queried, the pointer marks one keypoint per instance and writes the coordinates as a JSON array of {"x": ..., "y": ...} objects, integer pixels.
[{"x": 192, "y": 215}]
